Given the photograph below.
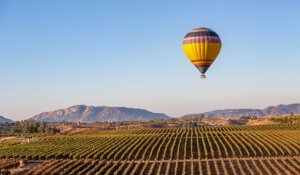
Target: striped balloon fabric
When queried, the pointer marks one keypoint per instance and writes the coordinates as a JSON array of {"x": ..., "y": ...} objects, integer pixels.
[{"x": 202, "y": 46}]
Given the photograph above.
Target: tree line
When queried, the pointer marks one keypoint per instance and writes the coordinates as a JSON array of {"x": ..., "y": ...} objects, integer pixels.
[
  {"x": 27, "y": 126},
  {"x": 287, "y": 120}
]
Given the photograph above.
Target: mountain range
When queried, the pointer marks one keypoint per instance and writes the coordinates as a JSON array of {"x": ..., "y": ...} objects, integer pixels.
[
  {"x": 271, "y": 110},
  {"x": 91, "y": 114},
  {"x": 5, "y": 120}
]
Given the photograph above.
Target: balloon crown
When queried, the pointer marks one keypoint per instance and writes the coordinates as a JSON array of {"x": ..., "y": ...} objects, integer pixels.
[{"x": 201, "y": 28}]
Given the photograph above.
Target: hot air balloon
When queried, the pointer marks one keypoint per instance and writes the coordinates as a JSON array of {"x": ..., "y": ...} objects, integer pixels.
[{"x": 202, "y": 46}]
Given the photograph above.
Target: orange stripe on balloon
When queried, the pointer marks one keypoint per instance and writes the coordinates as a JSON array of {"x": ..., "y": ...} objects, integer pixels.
[{"x": 205, "y": 62}]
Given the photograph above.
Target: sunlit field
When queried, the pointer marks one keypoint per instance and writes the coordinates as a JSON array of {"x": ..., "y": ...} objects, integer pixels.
[{"x": 262, "y": 149}]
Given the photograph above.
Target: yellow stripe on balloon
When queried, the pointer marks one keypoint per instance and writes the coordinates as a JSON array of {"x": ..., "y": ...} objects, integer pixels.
[{"x": 202, "y": 51}]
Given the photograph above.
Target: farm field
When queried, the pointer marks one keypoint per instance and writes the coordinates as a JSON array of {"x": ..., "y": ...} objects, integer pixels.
[{"x": 260, "y": 149}]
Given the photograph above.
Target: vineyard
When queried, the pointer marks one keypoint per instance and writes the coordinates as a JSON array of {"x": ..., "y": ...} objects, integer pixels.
[{"x": 262, "y": 149}]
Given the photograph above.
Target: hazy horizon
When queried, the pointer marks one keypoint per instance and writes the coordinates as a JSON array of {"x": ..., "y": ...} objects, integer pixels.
[
  {"x": 56, "y": 54},
  {"x": 49, "y": 110}
]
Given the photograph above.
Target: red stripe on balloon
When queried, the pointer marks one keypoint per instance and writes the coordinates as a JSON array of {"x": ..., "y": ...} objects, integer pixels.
[{"x": 201, "y": 39}]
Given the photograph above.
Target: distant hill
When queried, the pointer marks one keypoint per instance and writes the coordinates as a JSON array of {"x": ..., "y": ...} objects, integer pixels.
[
  {"x": 271, "y": 110},
  {"x": 91, "y": 114},
  {"x": 5, "y": 120}
]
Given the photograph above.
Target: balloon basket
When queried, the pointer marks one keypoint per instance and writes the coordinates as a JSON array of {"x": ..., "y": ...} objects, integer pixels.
[{"x": 203, "y": 76}]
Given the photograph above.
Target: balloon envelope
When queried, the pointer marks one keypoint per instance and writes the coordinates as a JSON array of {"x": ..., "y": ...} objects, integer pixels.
[{"x": 202, "y": 46}]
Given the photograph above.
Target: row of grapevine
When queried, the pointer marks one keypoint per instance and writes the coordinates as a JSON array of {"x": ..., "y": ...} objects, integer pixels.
[
  {"x": 227, "y": 166},
  {"x": 163, "y": 144}
]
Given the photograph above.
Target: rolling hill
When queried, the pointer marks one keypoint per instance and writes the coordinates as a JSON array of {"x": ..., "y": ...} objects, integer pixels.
[
  {"x": 91, "y": 114},
  {"x": 5, "y": 120},
  {"x": 271, "y": 110}
]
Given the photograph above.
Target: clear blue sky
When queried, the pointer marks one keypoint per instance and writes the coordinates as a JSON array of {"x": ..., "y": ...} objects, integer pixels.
[{"x": 55, "y": 54}]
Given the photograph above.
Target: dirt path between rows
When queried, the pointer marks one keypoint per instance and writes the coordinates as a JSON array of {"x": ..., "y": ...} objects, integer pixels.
[
  {"x": 6, "y": 138},
  {"x": 19, "y": 170}
]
